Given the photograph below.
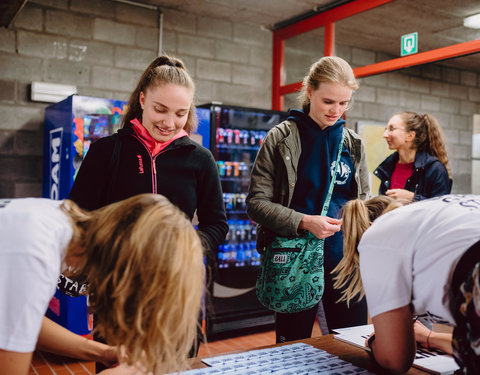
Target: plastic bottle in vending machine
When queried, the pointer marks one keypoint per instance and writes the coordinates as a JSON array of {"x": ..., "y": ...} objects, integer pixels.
[
  {"x": 221, "y": 168},
  {"x": 244, "y": 137},
  {"x": 262, "y": 136},
  {"x": 236, "y": 136},
  {"x": 229, "y": 136},
  {"x": 253, "y": 138},
  {"x": 220, "y": 136}
]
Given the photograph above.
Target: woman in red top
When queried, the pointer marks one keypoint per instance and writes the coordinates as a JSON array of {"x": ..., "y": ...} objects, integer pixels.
[{"x": 419, "y": 168}]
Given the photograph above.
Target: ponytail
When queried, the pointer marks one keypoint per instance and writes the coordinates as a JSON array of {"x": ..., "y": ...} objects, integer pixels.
[
  {"x": 428, "y": 135},
  {"x": 357, "y": 216},
  {"x": 436, "y": 141}
]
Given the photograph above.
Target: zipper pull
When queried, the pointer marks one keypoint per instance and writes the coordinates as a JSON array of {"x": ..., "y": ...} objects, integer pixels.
[{"x": 154, "y": 167}]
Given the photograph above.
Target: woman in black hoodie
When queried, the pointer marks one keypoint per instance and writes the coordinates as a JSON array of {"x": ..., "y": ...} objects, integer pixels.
[{"x": 419, "y": 168}]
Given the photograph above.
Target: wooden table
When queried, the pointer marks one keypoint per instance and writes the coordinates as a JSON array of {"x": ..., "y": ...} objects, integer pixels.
[{"x": 359, "y": 357}]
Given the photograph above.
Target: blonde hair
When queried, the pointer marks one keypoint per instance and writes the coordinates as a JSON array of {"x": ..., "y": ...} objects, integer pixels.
[
  {"x": 144, "y": 264},
  {"x": 428, "y": 135},
  {"x": 163, "y": 70},
  {"x": 357, "y": 216},
  {"x": 331, "y": 69}
]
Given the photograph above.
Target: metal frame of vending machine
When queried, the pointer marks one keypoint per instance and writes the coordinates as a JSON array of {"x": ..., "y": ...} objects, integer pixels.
[{"x": 236, "y": 136}]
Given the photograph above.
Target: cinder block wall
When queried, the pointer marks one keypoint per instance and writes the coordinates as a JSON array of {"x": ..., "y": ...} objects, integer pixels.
[{"x": 102, "y": 47}]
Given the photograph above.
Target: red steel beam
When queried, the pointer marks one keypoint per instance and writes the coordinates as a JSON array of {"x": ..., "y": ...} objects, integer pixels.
[
  {"x": 456, "y": 50},
  {"x": 332, "y": 15}
]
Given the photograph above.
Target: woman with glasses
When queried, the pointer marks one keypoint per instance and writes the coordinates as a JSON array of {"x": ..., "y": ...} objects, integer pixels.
[
  {"x": 419, "y": 168},
  {"x": 291, "y": 177}
]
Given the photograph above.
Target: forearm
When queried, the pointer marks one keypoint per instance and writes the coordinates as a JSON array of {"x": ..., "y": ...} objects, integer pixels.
[
  {"x": 440, "y": 341},
  {"x": 55, "y": 339}
]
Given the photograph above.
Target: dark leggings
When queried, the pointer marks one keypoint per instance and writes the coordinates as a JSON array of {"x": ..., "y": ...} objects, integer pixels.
[{"x": 295, "y": 326}]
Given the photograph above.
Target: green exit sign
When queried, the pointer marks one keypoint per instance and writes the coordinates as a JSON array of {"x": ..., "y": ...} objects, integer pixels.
[{"x": 409, "y": 44}]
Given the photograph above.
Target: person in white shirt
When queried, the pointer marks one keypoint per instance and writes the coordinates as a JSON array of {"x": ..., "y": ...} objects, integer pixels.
[
  {"x": 423, "y": 258},
  {"x": 143, "y": 262}
]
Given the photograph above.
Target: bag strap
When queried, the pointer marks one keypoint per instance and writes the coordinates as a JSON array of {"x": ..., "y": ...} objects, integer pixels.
[{"x": 326, "y": 204}]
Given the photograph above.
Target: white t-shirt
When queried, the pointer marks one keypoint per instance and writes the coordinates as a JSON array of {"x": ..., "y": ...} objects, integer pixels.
[
  {"x": 409, "y": 254},
  {"x": 33, "y": 235}
]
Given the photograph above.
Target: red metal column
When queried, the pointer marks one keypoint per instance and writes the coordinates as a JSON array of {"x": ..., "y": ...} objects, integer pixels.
[
  {"x": 329, "y": 46},
  {"x": 277, "y": 71}
]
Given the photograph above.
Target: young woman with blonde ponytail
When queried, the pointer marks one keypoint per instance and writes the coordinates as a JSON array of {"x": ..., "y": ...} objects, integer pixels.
[
  {"x": 419, "y": 259},
  {"x": 419, "y": 168}
]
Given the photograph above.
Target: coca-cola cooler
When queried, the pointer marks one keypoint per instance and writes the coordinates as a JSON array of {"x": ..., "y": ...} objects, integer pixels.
[{"x": 236, "y": 136}]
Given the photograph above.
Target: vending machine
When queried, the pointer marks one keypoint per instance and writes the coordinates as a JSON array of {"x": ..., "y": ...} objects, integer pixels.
[
  {"x": 236, "y": 136},
  {"x": 70, "y": 126}
]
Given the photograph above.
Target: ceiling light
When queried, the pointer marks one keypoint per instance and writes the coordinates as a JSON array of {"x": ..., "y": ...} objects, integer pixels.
[{"x": 473, "y": 21}]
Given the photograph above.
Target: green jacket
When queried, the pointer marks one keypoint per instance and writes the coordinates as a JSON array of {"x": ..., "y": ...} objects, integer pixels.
[{"x": 274, "y": 175}]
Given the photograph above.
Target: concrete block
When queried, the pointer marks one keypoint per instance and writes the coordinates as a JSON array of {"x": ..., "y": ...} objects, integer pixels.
[
  {"x": 195, "y": 46},
  {"x": 7, "y": 138},
  {"x": 462, "y": 122},
  {"x": 133, "y": 58},
  {"x": 6, "y": 187},
  {"x": 460, "y": 151},
  {"x": 430, "y": 103},
  {"x": 450, "y": 75},
  {"x": 365, "y": 94},
  {"x": 20, "y": 68},
  {"x": 97, "y": 93},
  {"x": 67, "y": 72},
  {"x": 379, "y": 80},
  {"x": 343, "y": 51},
  {"x": 248, "y": 75},
  {"x": 29, "y": 142},
  {"x": 133, "y": 14},
  {"x": 260, "y": 56},
  {"x": 444, "y": 119},
  {"x": 362, "y": 57},
  {"x": 24, "y": 93},
  {"x": 378, "y": 112},
  {"x": 169, "y": 42},
  {"x": 468, "y": 78},
  {"x": 464, "y": 167},
  {"x": 356, "y": 111},
  {"x": 42, "y": 45},
  {"x": 179, "y": 21},
  {"x": 59, "y": 4},
  {"x": 251, "y": 34},
  {"x": 474, "y": 94},
  {"x": 462, "y": 184},
  {"x": 109, "y": 31},
  {"x": 7, "y": 91},
  {"x": 438, "y": 88},
  {"x": 213, "y": 70},
  {"x": 21, "y": 117},
  {"x": 190, "y": 64},
  {"x": 29, "y": 18},
  {"x": 419, "y": 85},
  {"x": 214, "y": 28},
  {"x": 101, "y": 8},
  {"x": 410, "y": 101},
  {"x": 452, "y": 136},
  {"x": 204, "y": 92},
  {"x": 465, "y": 138},
  {"x": 398, "y": 81},
  {"x": 234, "y": 94},
  {"x": 388, "y": 96},
  {"x": 27, "y": 189},
  {"x": 121, "y": 95},
  {"x": 114, "y": 79},
  {"x": 468, "y": 108},
  {"x": 21, "y": 168},
  {"x": 67, "y": 23},
  {"x": 449, "y": 105},
  {"x": 7, "y": 40},
  {"x": 87, "y": 51},
  {"x": 232, "y": 52},
  {"x": 431, "y": 71},
  {"x": 147, "y": 37},
  {"x": 458, "y": 91}
]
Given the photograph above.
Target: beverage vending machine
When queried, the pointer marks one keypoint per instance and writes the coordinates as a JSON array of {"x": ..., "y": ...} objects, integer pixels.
[{"x": 236, "y": 136}]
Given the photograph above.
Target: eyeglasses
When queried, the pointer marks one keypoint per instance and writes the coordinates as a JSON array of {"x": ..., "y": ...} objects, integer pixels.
[{"x": 391, "y": 129}]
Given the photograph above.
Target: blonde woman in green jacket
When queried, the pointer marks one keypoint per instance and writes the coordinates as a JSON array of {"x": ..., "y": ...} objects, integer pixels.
[{"x": 290, "y": 179}]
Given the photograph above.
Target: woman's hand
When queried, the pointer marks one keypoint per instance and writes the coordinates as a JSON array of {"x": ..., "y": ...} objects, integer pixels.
[
  {"x": 401, "y": 194},
  {"x": 422, "y": 333},
  {"x": 432, "y": 340},
  {"x": 320, "y": 226}
]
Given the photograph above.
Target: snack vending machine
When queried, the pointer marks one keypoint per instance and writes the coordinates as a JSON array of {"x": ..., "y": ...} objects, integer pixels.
[
  {"x": 236, "y": 136},
  {"x": 70, "y": 126}
]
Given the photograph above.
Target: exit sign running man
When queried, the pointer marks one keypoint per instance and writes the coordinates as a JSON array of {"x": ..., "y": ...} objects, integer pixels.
[{"x": 409, "y": 44}]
